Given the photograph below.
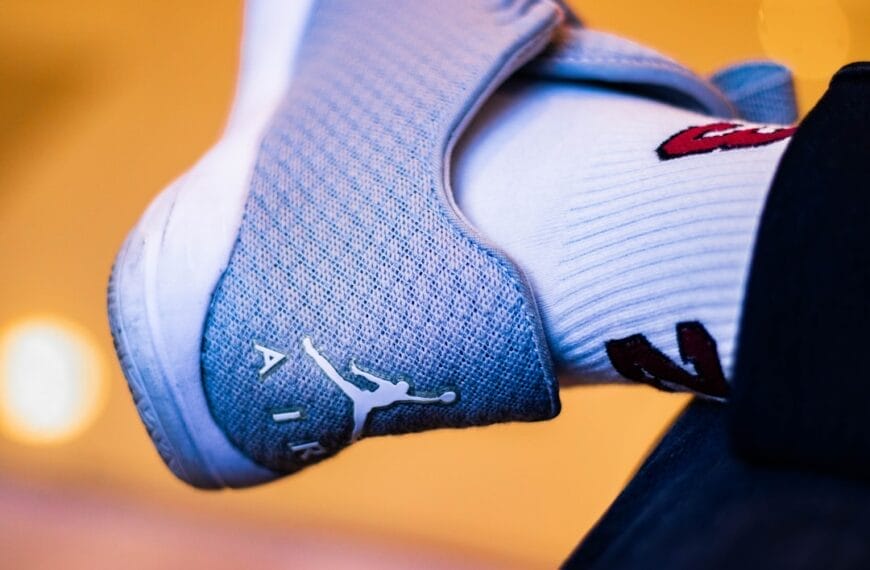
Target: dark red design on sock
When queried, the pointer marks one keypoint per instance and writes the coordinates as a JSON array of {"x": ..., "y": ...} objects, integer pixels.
[
  {"x": 721, "y": 136},
  {"x": 637, "y": 359}
]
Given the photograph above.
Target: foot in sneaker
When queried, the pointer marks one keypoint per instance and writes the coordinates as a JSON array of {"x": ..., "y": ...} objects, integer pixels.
[{"x": 311, "y": 282}]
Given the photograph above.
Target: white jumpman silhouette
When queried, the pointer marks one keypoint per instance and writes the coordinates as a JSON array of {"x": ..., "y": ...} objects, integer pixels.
[{"x": 364, "y": 401}]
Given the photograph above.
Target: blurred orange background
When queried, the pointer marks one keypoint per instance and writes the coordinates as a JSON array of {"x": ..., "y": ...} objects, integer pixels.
[{"x": 104, "y": 102}]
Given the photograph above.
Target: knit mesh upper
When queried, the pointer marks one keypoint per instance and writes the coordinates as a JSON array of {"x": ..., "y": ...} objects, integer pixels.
[{"x": 349, "y": 239}]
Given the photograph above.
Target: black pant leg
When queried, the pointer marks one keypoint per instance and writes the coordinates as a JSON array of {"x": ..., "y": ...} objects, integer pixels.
[{"x": 780, "y": 476}]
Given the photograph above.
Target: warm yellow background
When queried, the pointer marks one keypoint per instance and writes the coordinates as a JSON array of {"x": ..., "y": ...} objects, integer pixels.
[{"x": 103, "y": 102}]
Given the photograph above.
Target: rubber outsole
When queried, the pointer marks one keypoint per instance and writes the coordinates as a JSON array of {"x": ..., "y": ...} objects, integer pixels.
[
  {"x": 156, "y": 421},
  {"x": 163, "y": 277}
]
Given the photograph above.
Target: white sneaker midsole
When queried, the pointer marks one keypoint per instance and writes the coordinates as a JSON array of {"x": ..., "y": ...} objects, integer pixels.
[{"x": 173, "y": 259}]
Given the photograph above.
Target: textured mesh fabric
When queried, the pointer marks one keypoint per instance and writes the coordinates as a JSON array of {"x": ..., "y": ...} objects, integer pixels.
[
  {"x": 580, "y": 54},
  {"x": 349, "y": 239},
  {"x": 762, "y": 91}
]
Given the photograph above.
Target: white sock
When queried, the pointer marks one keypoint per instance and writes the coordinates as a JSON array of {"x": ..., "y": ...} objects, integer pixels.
[
  {"x": 616, "y": 240},
  {"x": 565, "y": 178}
]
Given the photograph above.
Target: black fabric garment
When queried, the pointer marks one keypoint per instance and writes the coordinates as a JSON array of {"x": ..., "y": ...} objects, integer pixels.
[
  {"x": 777, "y": 478},
  {"x": 802, "y": 391},
  {"x": 695, "y": 505}
]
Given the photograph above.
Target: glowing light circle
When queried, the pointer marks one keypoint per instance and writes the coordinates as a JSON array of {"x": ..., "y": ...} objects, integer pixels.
[{"x": 51, "y": 380}]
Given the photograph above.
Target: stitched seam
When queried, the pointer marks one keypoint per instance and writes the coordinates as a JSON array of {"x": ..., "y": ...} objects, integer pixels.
[
  {"x": 525, "y": 49},
  {"x": 635, "y": 61},
  {"x": 641, "y": 61}
]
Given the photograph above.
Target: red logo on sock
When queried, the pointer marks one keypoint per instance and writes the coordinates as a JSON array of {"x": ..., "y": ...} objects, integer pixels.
[
  {"x": 637, "y": 359},
  {"x": 721, "y": 136}
]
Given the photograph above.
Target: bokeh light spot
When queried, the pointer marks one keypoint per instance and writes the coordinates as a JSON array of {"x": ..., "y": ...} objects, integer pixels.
[{"x": 51, "y": 380}]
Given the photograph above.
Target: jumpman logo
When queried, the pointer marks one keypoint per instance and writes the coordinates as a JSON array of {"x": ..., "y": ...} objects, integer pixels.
[{"x": 365, "y": 401}]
